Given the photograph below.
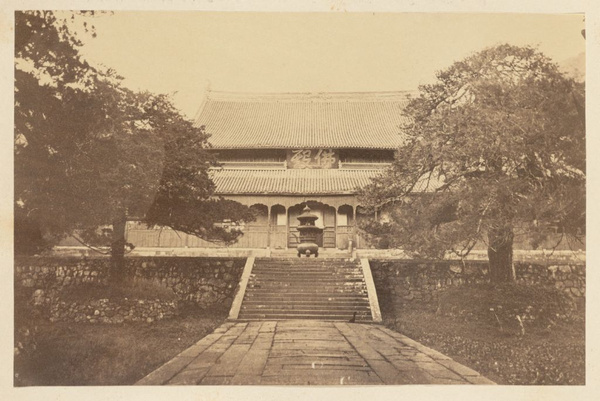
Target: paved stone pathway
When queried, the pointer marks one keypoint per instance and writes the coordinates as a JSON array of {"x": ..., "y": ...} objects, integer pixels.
[{"x": 299, "y": 352}]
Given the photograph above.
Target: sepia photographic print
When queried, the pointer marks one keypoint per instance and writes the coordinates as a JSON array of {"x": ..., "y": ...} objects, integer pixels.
[{"x": 298, "y": 200}]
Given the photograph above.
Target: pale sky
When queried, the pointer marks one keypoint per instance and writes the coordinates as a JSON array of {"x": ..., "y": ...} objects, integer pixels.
[{"x": 185, "y": 52}]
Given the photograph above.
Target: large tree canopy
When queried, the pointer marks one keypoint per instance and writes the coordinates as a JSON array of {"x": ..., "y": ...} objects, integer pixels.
[
  {"x": 496, "y": 146},
  {"x": 90, "y": 152}
]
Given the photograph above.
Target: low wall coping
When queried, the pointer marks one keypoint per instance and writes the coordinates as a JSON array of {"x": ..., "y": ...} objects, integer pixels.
[
  {"x": 371, "y": 290},
  {"x": 241, "y": 291}
]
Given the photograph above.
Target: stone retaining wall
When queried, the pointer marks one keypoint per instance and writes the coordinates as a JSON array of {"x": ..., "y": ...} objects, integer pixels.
[
  {"x": 56, "y": 273},
  {"x": 203, "y": 281},
  {"x": 570, "y": 278},
  {"x": 403, "y": 281},
  {"x": 108, "y": 311}
]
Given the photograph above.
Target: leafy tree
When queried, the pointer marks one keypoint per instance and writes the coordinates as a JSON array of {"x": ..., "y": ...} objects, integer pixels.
[
  {"x": 90, "y": 152},
  {"x": 497, "y": 147}
]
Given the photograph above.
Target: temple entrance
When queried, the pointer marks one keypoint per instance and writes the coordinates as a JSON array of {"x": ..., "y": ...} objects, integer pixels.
[{"x": 326, "y": 221}]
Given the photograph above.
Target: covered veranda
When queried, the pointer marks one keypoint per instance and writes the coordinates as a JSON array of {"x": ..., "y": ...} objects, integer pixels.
[{"x": 275, "y": 226}]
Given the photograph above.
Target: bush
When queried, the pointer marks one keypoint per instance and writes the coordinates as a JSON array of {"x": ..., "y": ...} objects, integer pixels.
[{"x": 509, "y": 307}]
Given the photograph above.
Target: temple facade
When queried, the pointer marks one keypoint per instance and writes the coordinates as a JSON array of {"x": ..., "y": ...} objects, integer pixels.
[{"x": 282, "y": 152}]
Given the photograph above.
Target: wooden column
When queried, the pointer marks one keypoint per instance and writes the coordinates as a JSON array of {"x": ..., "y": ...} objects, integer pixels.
[
  {"x": 287, "y": 227},
  {"x": 269, "y": 226},
  {"x": 354, "y": 230}
]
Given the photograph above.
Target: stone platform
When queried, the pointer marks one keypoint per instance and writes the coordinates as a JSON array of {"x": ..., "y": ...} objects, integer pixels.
[{"x": 309, "y": 352}]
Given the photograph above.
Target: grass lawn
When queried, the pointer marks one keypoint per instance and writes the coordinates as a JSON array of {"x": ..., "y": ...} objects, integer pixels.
[
  {"x": 542, "y": 355},
  {"x": 69, "y": 354}
]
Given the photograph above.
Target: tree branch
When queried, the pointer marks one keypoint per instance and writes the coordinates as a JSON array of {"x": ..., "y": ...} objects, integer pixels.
[{"x": 89, "y": 246}]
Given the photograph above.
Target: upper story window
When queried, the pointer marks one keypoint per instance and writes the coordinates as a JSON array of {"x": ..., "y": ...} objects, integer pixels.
[{"x": 304, "y": 158}]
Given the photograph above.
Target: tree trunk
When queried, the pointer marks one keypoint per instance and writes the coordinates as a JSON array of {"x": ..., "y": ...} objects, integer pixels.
[
  {"x": 500, "y": 255},
  {"x": 117, "y": 249}
]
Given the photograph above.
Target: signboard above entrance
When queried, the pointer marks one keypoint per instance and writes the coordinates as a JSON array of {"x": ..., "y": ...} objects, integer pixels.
[{"x": 312, "y": 158}]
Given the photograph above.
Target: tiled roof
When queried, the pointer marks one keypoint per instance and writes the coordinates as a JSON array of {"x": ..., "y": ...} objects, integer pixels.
[
  {"x": 295, "y": 181},
  {"x": 290, "y": 181},
  {"x": 303, "y": 120}
]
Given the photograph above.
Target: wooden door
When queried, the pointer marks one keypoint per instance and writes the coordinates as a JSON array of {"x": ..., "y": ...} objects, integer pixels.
[{"x": 329, "y": 229}]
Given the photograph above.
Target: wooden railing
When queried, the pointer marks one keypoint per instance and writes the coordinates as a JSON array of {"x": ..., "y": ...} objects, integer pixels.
[{"x": 255, "y": 236}]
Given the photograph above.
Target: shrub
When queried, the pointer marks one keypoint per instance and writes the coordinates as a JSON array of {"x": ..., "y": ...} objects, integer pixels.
[{"x": 509, "y": 307}]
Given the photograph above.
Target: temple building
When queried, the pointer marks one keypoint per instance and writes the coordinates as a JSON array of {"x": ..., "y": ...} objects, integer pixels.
[{"x": 282, "y": 152}]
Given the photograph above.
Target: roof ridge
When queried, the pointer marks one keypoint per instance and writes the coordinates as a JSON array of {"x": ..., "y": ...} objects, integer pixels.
[
  {"x": 290, "y": 169},
  {"x": 295, "y": 96}
]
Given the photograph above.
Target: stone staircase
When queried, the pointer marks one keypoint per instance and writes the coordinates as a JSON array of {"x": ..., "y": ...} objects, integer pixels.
[{"x": 306, "y": 288}]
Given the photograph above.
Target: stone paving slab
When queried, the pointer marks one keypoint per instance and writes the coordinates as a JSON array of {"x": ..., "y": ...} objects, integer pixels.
[{"x": 307, "y": 352}]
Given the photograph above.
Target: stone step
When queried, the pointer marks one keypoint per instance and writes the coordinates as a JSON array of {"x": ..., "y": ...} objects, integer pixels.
[
  {"x": 309, "y": 316},
  {"x": 323, "y": 312},
  {"x": 260, "y": 319},
  {"x": 309, "y": 298},
  {"x": 313, "y": 308},
  {"x": 307, "y": 301},
  {"x": 307, "y": 276},
  {"x": 305, "y": 264},
  {"x": 324, "y": 282},
  {"x": 303, "y": 282},
  {"x": 305, "y": 260},
  {"x": 305, "y": 271},
  {"x": 303, "y": 288},
  {"x": 305, "y": 268},
  {"x": 283, "y": 294},
  {"x": 304, "y": 309},
  {"x": 282, "y": 298},
  {"x": 317, "y": 265},
  {"x": 340, "y": 275},
  {"x": 316, "y": 280},
  {"x": 288, "y": 291},
  {"x": 316, "y": 284},
  {"x": 285, "y": 289},
  {"x": 349, "y": 304},
  {"x": 325, "y": 277},
  {"x": 317, "y": 307},
  {"x": 304, "y": 277},
  {"x": 343, "y": 301}
]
